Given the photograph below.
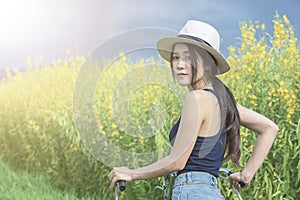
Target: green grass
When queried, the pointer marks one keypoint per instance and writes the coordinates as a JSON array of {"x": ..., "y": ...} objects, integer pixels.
[{"x": 17, "y": 185}]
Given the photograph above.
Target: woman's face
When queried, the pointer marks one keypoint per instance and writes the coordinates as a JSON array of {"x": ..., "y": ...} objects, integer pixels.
[{"x": 182, "y": 65}]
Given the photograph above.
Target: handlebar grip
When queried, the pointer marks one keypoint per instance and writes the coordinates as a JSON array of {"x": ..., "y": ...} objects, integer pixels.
[
  {"x": 122, "y": 185},
  {"x": 242, "y": 185}
]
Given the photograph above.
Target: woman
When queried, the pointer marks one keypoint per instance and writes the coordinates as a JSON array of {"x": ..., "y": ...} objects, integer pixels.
[{"x": 209, "y": 123}]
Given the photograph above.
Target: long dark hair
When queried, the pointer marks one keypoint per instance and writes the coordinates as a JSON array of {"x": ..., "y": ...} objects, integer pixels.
[{"x": 227, "y": 103}]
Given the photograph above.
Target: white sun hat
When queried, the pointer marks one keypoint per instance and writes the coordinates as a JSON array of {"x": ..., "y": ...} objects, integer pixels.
[{"x": 199, "y": 34}]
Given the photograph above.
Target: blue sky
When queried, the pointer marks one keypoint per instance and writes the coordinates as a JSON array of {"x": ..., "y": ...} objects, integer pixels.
[{"x": 48, "y": 28}]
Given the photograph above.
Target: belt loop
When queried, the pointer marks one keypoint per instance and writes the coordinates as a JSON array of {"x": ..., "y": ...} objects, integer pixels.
[{"x": 189, "y": 178}]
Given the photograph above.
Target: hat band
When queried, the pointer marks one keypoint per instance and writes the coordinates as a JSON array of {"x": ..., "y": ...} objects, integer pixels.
[
  {"x": 194, "y": 38},
  {"x": 201, "y": 41}
]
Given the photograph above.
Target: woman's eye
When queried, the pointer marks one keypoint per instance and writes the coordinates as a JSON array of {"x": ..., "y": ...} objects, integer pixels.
[
  {"x": 188, "y": 58},
  {"x": 175, "y": 57}
]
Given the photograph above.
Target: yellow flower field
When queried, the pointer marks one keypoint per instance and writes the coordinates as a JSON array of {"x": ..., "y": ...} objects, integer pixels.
[{"x": 40, "y": 120}]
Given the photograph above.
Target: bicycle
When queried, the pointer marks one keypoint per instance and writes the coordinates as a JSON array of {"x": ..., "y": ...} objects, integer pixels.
[{"x": 168, "y": 181}]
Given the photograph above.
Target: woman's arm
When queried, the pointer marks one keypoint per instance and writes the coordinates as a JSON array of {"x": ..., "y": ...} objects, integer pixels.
[
  {"x": 191, "y": 119},
  {"x": 267, "y": 131}
]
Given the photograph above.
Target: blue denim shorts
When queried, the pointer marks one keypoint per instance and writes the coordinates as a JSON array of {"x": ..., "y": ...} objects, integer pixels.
[{"x": 196, "y": 186}]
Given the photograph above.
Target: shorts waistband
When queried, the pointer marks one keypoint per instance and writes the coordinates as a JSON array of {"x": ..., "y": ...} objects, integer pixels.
[{"x": 196, "y": 177}]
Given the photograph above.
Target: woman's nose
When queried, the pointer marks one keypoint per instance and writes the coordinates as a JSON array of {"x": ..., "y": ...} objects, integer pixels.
[{"x": 181, "y": 63}]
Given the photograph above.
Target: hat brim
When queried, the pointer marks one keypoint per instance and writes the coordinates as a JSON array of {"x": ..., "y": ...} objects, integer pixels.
[{"x": 165, "y": 47}]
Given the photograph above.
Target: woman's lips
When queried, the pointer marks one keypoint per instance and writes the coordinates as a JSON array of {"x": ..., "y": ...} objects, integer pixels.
[{"x": 182, "y": 74}]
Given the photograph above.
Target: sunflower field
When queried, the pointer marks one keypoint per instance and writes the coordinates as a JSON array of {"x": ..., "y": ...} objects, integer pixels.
[{"x": 73, "y": 129}]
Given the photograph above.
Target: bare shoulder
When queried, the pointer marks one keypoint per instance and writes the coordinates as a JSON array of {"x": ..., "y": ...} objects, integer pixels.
[
  {"x": 198, "y": 100},
  {"x": 201, "y": 95}
]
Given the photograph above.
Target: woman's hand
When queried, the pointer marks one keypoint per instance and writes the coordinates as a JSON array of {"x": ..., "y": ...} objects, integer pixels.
[
  {"x": 238, "y": 180},
  {"x": 119, "y": 173}
]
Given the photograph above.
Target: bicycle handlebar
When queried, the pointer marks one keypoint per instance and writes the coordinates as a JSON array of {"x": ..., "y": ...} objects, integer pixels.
[
  {"x": 229, "y": 172},
  {"x": 122, "y": 185}
]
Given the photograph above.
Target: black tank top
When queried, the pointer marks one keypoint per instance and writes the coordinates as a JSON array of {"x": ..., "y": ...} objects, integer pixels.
[{"x": 208, "y": 152}]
